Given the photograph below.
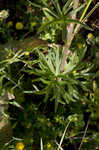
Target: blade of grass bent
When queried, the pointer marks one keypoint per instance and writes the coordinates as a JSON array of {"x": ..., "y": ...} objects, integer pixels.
[
  {"x": 76, "y": 10},
  {"x": 63, "y": 135},
  {"x": 41, "y": 144},
  {"x": 65, "y": 7}
]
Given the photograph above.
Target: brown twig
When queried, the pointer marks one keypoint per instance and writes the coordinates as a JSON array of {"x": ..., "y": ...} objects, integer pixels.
[
  {"x": 84, "y": 134},
  {"x": 69, "y": 37},
  {"x": 59, "y": 145}
]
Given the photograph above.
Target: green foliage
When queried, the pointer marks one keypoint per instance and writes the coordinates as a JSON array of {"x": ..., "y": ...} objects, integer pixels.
[
  {"x": 59, "y": 17},
  {"x": 60, "y": 87},
  {"x": 49, "y": 108}
]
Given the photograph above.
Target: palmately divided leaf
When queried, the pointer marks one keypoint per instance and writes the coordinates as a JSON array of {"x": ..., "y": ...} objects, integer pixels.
[
  {"x": 75, "y": 10},
  {"x": 35, "y": 5},
  {"x": 58, "y": 9},
  {"x": 65, "y": 7},
  {"x": 48, "y": 15},
  {"x": 62, "y": 21},
  {"x": 72, "y": 63}
]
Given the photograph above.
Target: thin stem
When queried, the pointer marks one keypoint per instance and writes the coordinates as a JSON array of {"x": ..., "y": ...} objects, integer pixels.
[
  {"x": 82, "y": 16},
  {"x": 85, "y": 10},
  {"x": 58, "y": 145},
  {"x": 81, "y": 19},
  {"x": 90, "y": 13},
  {"x": 69, "y": 36},
  {"x": 63, "y": 135},
  {"x": 84, "y": 134}
]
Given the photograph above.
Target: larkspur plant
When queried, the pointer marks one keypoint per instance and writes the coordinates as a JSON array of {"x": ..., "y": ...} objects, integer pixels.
[
  {"x": 52, "y": 102},
  {"x": 57, "y": 86},
  {"x": 57, "y": 18}
]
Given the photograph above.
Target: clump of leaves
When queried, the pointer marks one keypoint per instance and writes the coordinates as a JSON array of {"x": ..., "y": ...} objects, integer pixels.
[
  {"x": 57, "y": 16},
  {"x": 61, "y": 87}
]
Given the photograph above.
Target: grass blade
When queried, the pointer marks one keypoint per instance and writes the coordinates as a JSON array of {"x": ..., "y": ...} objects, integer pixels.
[
  {"x": 63, "y": 135},
  {"x": 41, "y": 144},
  {"x": 65, "y": 7},
  {"x": 76, "y": 10}
]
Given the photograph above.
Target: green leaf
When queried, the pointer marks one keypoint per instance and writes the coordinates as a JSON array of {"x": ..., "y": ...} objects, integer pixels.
[
  {"x": 62, "y": 21},
  {"x": 3, "y": 64},
  {"x": 82, "y": 52},
  {"x": 75, "y": 94},
  {"x": 72, "y": 63},
  {"x": 1, "y": 81},
  {"x": 58, "y": 60},
  {"x": 28, "y": 92},
  {"x": 47, "y": 62},
  {"x": 56, "y": 105},
  {"x": 58, "y": 9},
  {"x": 35, "y": 5},
  {"x": 75, "y": 10},
  {"x": 48, "y": 92},
  {"x": 68, "y": 4},
  {"x": 45, "y": 81},
  {"x": 61, "y": 102},
  {"x": 57, "y": 6},
  {"x": 41, "y": 92},
  {"x": 64, "y": 33},
  {"x": 51, "y": 12},
  {"x": 16, "y": 104}
]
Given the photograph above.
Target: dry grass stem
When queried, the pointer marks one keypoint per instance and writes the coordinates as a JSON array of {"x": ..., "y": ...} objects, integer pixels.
[{"x": 70, "y": 30}]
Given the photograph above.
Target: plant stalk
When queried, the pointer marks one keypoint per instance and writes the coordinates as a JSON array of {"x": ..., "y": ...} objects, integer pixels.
[
  {"x": 82, "y": 16},
  {"x": 71, "y": 34},
  {"x": 70, "y": 30},
  {"x": 63, "y": 135},
  {"x": 84, "y": 134}
]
